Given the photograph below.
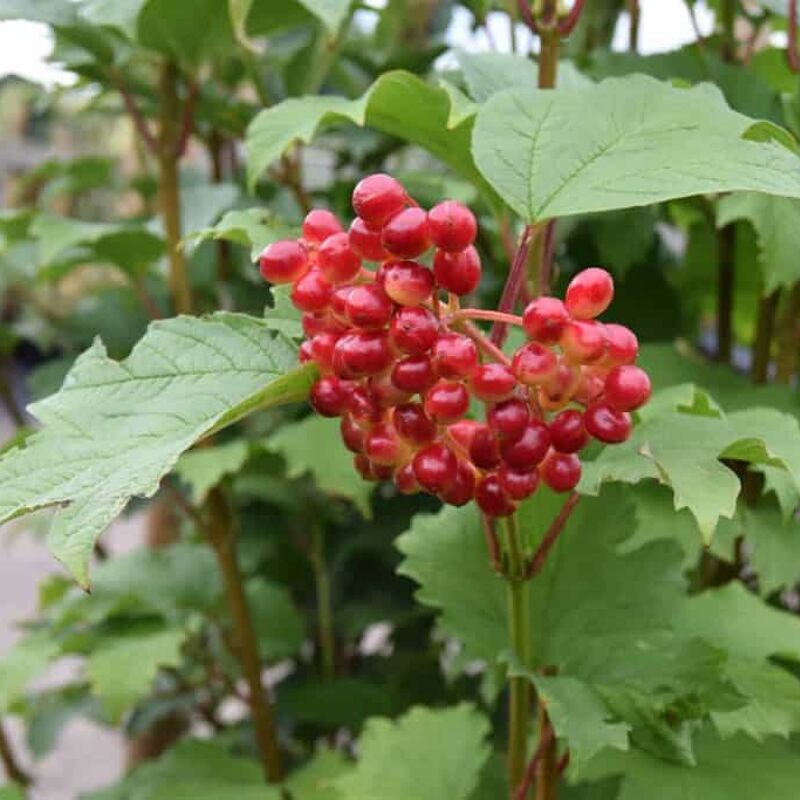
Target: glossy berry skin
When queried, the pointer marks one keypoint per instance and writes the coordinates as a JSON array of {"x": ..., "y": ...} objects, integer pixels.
[
  {"x": 352, "y": 434},
  {"x": 591, "y": 385},
  {"x": 322, "y": 346},
  {"x": 492, "y": 498},
  {"x": 583, "y": 342},
  {"x": 377, "y": 198},
  {"x": 560, "y": 388},
  {"x": 337, "y": 260},
  {"x": 338, "y": 304},
  {"x": 322, "y": 322},
  {"x": 589, "y": 293},
  {"x": 362, "y": 353},
  {"x": 561, "y": 471},
  {"x": 319, "y": 224},
  {"x": 405, "y": 235},
  {"x": 283, "y": 262},
  {"x": 463, "y": 432},
  {"x": 534, "y": 364},
  {"x": 607, "y": 424},
  {"x": 382, "y": 445},
  {"x": 454, "y": 355},
  {"x": 386, "y": 393},
  {"x": 406, "y": 282},
  {"x": 567, "y": 433},
  {"x": 627, "y": 387},
  {"x": 414, "y": 374},
  {"x": 312, "y": 292},
  {"x": 370, "y": 471},
  {"x": 413, "y": 424},
  {"x": 305, "y": 353},
  {"x": 363, "y": 406},
  {"x": 366, "y": 243},
  {"x": 529, "y": 449},
  {"x": 368, "y": 306},
  {"x": 328, "y": 396},
  {"x": 452, "y": 226},
  {"x": 405, "y": 481},
  {"x": 492, "y": 383},
  {"x": 446, "y": 401},
  {"x": 458, "y": 272},
  {"x": 435, "y": 468},
  {"x": 622, "y": 346},
  {"x": 508, "y": 419},
  {"x": 516, "y": 484},
  {"x": 544, "y": 319},
  {"x": 414, "y": 330},
  {"x": 484, "y": 449},
  {"x": 462, "y": 489}
]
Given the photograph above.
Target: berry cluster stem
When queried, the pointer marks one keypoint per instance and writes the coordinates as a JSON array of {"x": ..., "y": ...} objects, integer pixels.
[{"x": 8, "y": 758}]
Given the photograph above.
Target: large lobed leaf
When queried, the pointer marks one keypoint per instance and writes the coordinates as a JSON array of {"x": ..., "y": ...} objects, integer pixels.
[{"x": 115, "y": 428}]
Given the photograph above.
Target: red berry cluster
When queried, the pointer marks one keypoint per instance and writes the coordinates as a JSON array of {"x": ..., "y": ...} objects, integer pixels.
[{"x": 399, "y": 366}]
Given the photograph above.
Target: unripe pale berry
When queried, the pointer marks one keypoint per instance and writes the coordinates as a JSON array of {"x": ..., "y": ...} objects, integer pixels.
[
  {"x": 583, "y": 342},
  {"x": 567, "y": 433},
  {"x": 622, "y": 346},
  {"x": 589, "y": 293},
  {"x": 457, "y": 272},
  {"x": 337, "y": 260},
  {"x": 560, "y": 388},
  {"x": 627, "y": 387},
  {"x": 607, "y": 424},
  {"x": 492, "y": 498},
  {"x": 492, "y": 383},
  {"x": 413, "y": 374},
  {"x": 414, "y": 330},
  {"x": 508, "y": 419},
  {"x": 534, "y": 364},
  {"x": 446, "y": 401},
  {"x": 377, "y": 198},
  {"x": 366, "y": 243},
  {"x": 312, "y": 292},
  {"x": 454, "y": 355},
  {"x": 435, "y": 467},
  {"x": 544, "y": 319},
  {"x": 405, "y": 235},
  {"x": 452, "y": 226},
  {"x": 591, "y": 385},
  {"x": 413, "y": 424},
  {"x": 406, "y": 282},
  {"x": 319, "y": 224},
  {"x": 561, "y": 471},
  {"x": 516, "y": 484},
  {"x": 529, "y": 449},
  {"x": 283, "y": 262},
  {"x": 368, "y": 306}
]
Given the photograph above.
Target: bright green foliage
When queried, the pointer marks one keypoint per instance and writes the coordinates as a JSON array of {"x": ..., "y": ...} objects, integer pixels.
[
  {"x": 447, "y": 749},
  {"x": 202, "y": 469},
  {"x": 22, "y": 664},
  {"x": 11, "y": 792},
  {"x": 186, "y": 379},
  {"x": 331, "y": 13},
  {"x": 253, "y": 227},
  {"x": 626, "y": 137}
]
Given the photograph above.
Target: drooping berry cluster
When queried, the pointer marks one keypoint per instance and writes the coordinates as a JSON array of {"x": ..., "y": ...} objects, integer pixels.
[{"x": 400, "y": 367}]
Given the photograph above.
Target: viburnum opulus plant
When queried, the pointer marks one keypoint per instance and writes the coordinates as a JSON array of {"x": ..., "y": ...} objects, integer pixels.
[{"x": 401, "y": 360}]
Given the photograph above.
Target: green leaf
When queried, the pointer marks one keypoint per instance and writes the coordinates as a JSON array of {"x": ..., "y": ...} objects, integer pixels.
[
  {"x": 49, "y": 712},
  {"x": 626, "y": 142},
  {"x": 281, "y": 628},
  {"x": 187, "y": 378},
  {"x": 22, "y": 664},
  {"x": 341, "y": 702},
  {"x": 121, "y": 670},
  {"x": 238, "y": 10},
  {"x": 120, "y": 14},
  {"x": 777, "y": 224},
  {"x": 301, "y": 444},
  {"x": 51, "y": 12},
  {"x": 331, "y": 13},
  {"x": 447, "y": 748},
  {"x": 204, "y": 468},
  {"x": 253, "y": 227},
  {"x": 202, "y": 204}
]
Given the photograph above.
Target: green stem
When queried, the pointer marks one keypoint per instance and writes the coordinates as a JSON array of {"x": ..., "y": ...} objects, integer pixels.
[{"x": 325, "y": 626}]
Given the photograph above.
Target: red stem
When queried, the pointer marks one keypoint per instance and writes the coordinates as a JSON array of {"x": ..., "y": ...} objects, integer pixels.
[
  {"x": 793, "y": 52},
  {"x": 548, "y": 250},
  {"x": 514, "y": 281},
  {"x": 187, "y": 122},
  {"x": 135, "y": 114},
  {"x": 485, "y": 314},
  {"x": 493, "y": 543},
  {"x": 533, "y": 765},
  {"x": 527, "y": 16},
  {"x": 566, "y": 26},
  {"x": 551, "y": 537},
  {"x": 485, "y": 344}
]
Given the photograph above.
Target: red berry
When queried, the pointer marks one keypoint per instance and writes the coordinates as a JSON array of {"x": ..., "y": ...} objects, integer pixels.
[
  {"x": 452, "y": 226},
  {"x": 337, "y": 260},
  {"x": 589, "y": 293},
  {"x": 370, "y": 471},
  {"x": 322, "y": 322},
  {"x": 567, "y": 434},
  {"x": 462, "y": 489},
  {"x": 435, "y": 467},
  {"x": 459, "y": 272},
  {"x": 509, "y": 418},
  {"x": 446, "y": 401},
  {"x": 382, "y": 445},
  {"x": 377, "y": 198},
  {"x": 406, "y": 234},
  {"x": 328, "y": 396},
  {"x": 492, "y": 498},
  {"x": 627, "y": 387},
  {"x": 591, "y": 385},
  {"x": 352, "y": 435},
  {"x": 559, "y": 390},
  {"x": 386, "y": 393},
  {"x": 319, "y": 224},
  {"x": 463, "y": 432},
  {"x": 312, "y": 292},
  {"x": 305, "y": 353},
  {"x": 484, "y": 450},
  {"x": 366, "y": 243},
  {"x": 544, "y": 319},
  {"x": 362, "y": 405},
  {"x": 607, "y": 424},
  {"x": 338, "y": 304},
  {"x": 492, "y": 383},
  {"x": 583, "y": 341},
  {"x": 283, "y": 262},
  {"x": 405, "y": 481},
  {"x": 414, "y": 330},
  {"x": 529, "y": 449},
  {"x": 622, "y": 346},
  {"x": 413, "y": 424},
  {"x": 368, "y": 306},
  {"x": 322, "y": 346},
  {"x": 413, "y": 374},
  {"x": 561, "y": 471},
  {"x": 534, "y": 364},
  {"x": 454, "y": 355},
  {"x": 517, "y": 484},
  {"x": 406, "y": 282},
  {"x": 361, "y": 354}
]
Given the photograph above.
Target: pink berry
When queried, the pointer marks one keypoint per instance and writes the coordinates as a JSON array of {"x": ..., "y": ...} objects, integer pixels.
[
  {"x": 414, "y": 330},
  {"x": 454, "y": 355},
  {"x": 312, "y": 292},
  {"x": 366, "y": 243},
  {"x": 492, "y": 383},
  {"x": 462, "y": 489},
  {"x": 622, "y": 346},
  {"x": 405, "y": 235},
  {"x": 508, "y": 419},
  {"x": 319, "y": 224},
  {"x": 377, "y": 198},
  {"x": 559, "y": 390},
  {"x": 337, "y": 260},
  {"x": 591, "y": 385},
  {"x": 544, "y": 319},
  {"x": 607, "y": 424},
  {"x": 567, "y": 434},
  {"x": 463, "y": 432},
  {"x": 368, "y": 306},
  {"x": 529, "y": 449},
  {"x": 283, "y": 262},
  {"x": 534, "y": 364},
  {"x": 484, "y": 449},
  {"x": 583, "y": 342},
  {"x": 457, "y": 272},
  {"x": 414, "y": 374},
  {"x": 589, "y": 293},
  {"x": 413, "y": 424},
  {"x": 627, "y": 387},
  {"x": 328, "y": 397},
  {"x": 446, "y": 401},
  {"x": 561, "y": 471},
  {"x": 492, "y": 498},
  {"x": 435, "y": 468},
  {"x": 406, "y": 282},
  {"x": 518, "y": 484},
  {"x": 452, "y": 226}
]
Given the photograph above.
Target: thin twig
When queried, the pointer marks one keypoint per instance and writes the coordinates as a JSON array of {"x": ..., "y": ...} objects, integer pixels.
[
  {"x": 533, "y": 765},
  {"x": 492, "y": 542},
  {"x": 548, "y": 252},
  {"x": 527, "y": 15},
  {"x": 489, "y": 347},
  {"x": 567, "y": 25},
  {"x": 551, "y": 537},
  {"x": 514, "y": 281},
  {"x": 14, "y": 771},
  {"x": 187, "y": 121},
  {"x": 140, "y": 123},
  {"x": 793, "y": 52}
]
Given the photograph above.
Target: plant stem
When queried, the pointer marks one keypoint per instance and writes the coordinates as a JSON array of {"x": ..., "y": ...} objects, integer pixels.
[
  {"x": 222, "y": 538},
  {"x": 726, "y": 249},
  {"x": 484, "y": 314},
  {"x": 789, "y": 337},
  {"x": 547, "y": 776},
  {"x": 728, "y": 19},
  {"x": 514, "y": 281},
  {"x": 519, "y": 687},
  {"x": 325, "y": 628},
  {"x": 533, "y": 767},
  {"x": 551, "y": 537},
  {"x": 169, "y": 136},
  {"x": 765, "y": 327},
  {"x": 7, "y": 395},
  {"x": 215, "y": 148},
  {"x": 635, "y": 12},
  {"x": 14, "y": 771}
]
